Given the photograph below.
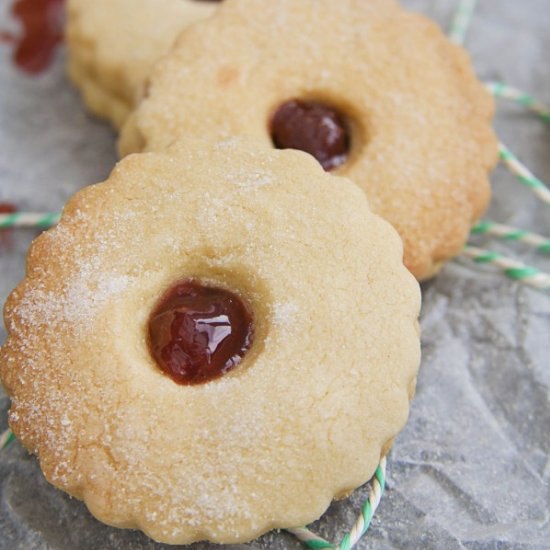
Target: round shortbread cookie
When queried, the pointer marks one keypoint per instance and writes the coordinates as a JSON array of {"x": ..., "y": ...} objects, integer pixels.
[
  {"x": 318, "y": 397},
  {"x": 113, "y": 44},
  {"x": 418, "y": 121}
]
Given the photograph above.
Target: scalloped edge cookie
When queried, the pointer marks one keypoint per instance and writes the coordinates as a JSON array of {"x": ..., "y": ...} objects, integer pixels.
[{"x": 303, "y": 419}]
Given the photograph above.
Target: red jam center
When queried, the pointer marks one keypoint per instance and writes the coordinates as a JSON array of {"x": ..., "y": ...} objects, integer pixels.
[
  {"x": 199, "y": 333},
  {"x": 314, "y": 128}
]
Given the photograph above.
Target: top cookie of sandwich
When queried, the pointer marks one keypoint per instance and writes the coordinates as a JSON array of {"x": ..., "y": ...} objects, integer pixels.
[
  {"x": 114, "y": 43},
  {"x": 376, "y": 93}
]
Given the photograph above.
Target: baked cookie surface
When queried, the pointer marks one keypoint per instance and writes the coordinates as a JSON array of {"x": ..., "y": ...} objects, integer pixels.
[
  {"x": 419, "y": 143},
  {"x": 303, "y": 418},
  {"x": 114, "y": 43}
]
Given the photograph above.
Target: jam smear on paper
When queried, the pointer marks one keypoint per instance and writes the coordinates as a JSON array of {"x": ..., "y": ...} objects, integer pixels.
[
  {"x": 41, "y": 33},
  {"x": 6, "y": 234}
]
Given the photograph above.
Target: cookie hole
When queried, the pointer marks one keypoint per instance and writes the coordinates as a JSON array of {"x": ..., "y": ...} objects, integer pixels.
[
  {"x": 199, "y": 332},
  {"x": 314, "y": 127}
]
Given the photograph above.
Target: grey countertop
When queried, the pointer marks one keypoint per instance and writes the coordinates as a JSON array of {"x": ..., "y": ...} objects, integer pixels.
[{"x": 472, "y": 469}]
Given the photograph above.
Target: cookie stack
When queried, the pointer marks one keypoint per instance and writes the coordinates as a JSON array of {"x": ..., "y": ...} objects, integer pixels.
[{"x": 222, "y": 338}]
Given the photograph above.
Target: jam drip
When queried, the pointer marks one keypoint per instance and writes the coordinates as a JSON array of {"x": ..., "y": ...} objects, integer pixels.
[
  {"x": 199, "y": 333},
  {"x": 5, "y": 234},
  {"x": 314, "y": 128},
  {"x": 42, "y": 32}
]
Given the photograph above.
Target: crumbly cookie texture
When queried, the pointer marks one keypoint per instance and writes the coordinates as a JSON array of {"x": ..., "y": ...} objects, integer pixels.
[
  {"x": 113, "y": 44},
  {"x": 420, "y": 122},
  {"x": 305, "y": 416}
]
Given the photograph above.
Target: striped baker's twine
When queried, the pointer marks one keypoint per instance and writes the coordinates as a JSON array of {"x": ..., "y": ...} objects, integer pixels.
[
  {"x": 362, "y": 524},
  {"x": 310, "y": 539},
  {"x": 512, "y": 268},
  {"x": 501, "y": 90},
  {"x": 27, "y": 219},
  {"x": 6, "y": 438},
  {"x": 461, "y": 21},
  {"x": 509, "y": 233},
  {"x": 523, "y": 174}
]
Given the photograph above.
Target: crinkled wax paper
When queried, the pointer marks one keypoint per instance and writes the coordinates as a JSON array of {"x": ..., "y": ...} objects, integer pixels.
[{"x": 472, "y": 469}]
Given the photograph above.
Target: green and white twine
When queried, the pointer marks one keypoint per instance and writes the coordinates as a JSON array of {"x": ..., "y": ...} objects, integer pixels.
[
  {"x": 362, "y": 524},
  {"x": 6, "y": 438},
  {"x": 501, "y": 90},
  {"x": 512, "y": 268},
  {"x": 523, "y": 174},
  {"x": 28, "y": 219},
  {"x": 461, "y": 21},
  {"x": 509, "y": 233}
]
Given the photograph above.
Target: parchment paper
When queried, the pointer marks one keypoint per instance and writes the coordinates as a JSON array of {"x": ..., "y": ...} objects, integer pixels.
[{"x": 472, "y": 469}]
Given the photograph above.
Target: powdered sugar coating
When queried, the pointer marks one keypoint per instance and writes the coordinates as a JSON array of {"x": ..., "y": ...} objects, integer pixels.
[
  {"x": 420, "y": 121},
  {"x": 304, "y": 417}
]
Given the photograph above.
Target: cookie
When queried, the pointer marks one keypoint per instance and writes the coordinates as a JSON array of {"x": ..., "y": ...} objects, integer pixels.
[
  {"x": 377, "y": 94},
  {"x": 215, "y": 342},
  {"x": 113, "y": 44}
]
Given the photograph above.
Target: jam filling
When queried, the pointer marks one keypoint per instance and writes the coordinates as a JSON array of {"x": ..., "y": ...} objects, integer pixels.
[
  {"x": 314, "y": 128},
  {"x": 199, "y": 333}
]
